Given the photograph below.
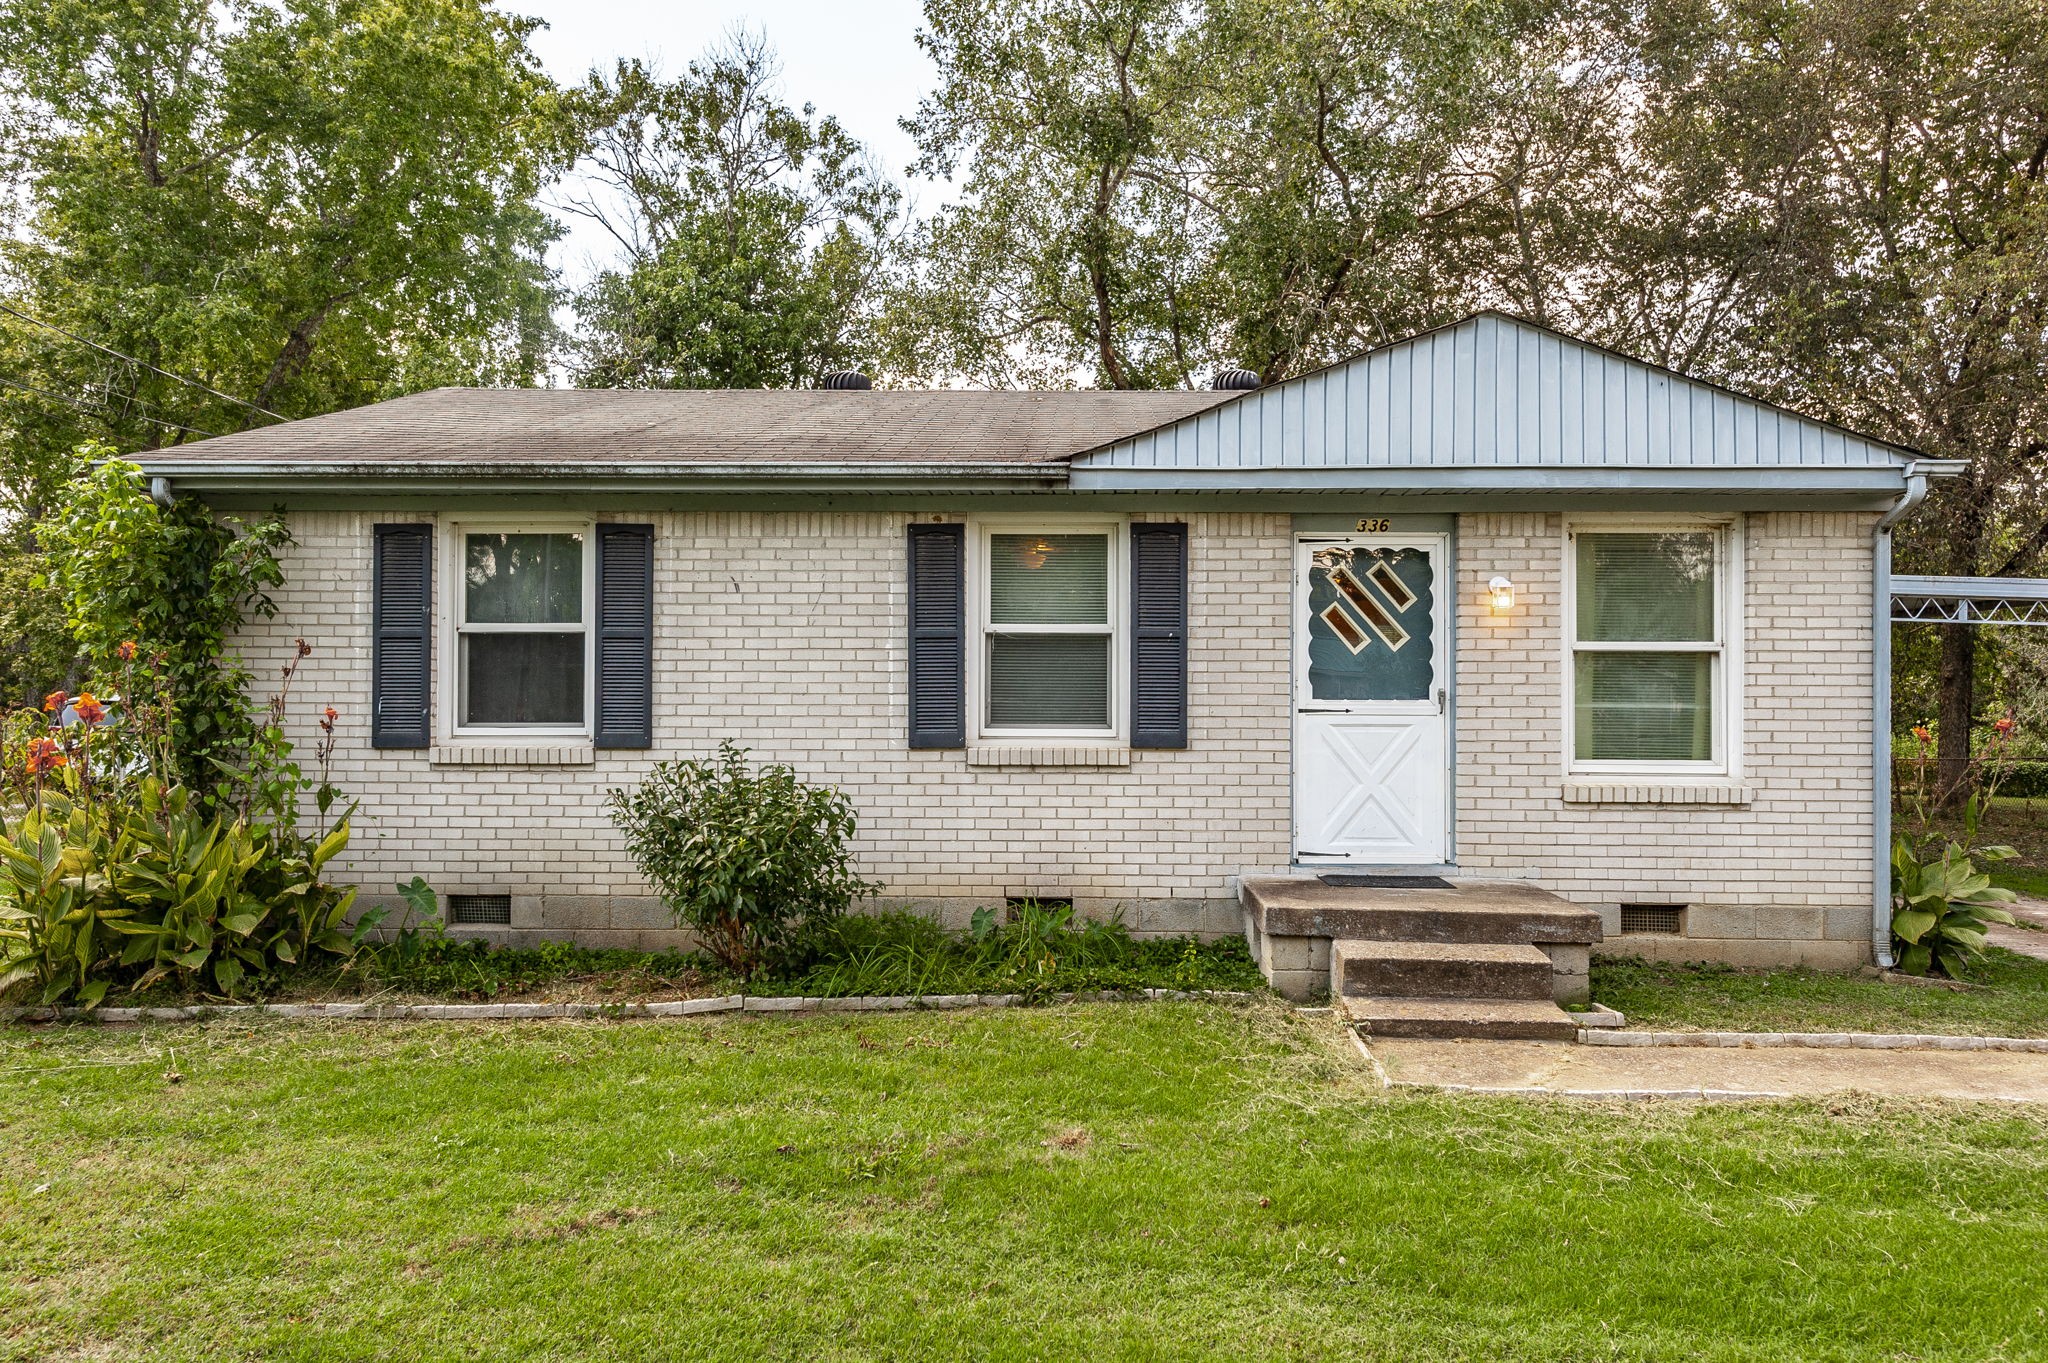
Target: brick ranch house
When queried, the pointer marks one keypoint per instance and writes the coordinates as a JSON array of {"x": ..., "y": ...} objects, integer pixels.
[{"x": 1489, "y": 604}]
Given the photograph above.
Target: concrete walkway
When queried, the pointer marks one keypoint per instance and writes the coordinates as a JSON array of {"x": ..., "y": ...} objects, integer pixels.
[
  {"x": 2030, "y": 938},
  {"x": 1592, "y": 1071}
]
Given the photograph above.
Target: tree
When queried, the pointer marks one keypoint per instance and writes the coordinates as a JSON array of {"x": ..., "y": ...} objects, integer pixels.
[
  {"x": 228, "y": 211},
  {"x": 755, "y": 234},
  {"x": 1157, "y": 188},
  {"x": 1915, "y": 140}
]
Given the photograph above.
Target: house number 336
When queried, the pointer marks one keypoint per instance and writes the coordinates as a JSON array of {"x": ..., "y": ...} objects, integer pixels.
[{"x": 1372, "y": 525}]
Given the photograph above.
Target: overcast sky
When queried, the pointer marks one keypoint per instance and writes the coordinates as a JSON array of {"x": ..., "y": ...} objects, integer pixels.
[{"x": 857, "y": 60}]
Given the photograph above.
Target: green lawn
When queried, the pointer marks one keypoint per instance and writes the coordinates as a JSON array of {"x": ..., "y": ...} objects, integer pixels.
[
  {"x": 2007, "y": 996},
  {"x": 1086, "y": 1181}
]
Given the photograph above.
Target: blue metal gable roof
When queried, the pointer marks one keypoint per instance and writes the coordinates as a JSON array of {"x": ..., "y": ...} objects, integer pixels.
[{"x": 1494, "y": 401}]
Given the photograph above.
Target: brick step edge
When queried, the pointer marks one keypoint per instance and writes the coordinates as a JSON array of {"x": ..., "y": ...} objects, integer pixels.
[
  {"x": 498, "y": 1012},
  {"x": 1851, "y": 1041}
]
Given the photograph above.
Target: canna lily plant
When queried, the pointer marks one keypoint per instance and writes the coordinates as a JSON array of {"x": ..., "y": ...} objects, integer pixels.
[
  {"x": 1942, "y": 900},
  {"x": 112, "y": 873}
]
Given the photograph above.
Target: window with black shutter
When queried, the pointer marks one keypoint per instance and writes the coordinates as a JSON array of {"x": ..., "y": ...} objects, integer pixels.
[
  {"x": 401, "y": 626},
  {"x": 938, "y": 636},
  {"x": 1159, "y": 635},
  {"x": 625, "y": 636}
]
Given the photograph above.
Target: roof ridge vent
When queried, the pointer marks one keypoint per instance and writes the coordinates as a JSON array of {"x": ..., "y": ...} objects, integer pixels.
[
  {"x": 1234, "y": 381},
  {"x": 849, "y": 380}
]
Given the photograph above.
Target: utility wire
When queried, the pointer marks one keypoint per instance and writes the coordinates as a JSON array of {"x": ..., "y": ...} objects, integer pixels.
[
  {"x": 109, "y": 350},
  {"x": 96, "y": 409}
]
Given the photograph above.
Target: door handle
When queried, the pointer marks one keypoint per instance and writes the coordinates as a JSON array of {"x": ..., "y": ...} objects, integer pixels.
[{"x": 1440, "y": 700}]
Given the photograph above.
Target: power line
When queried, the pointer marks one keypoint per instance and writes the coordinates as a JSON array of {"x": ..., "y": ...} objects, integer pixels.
[
  {"x": 109, "y": 350},
  {"x": 97, "y": 409}
]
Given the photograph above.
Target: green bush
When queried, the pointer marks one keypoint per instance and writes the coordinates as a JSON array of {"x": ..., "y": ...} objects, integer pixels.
[
  {"x": 113, "y": 873},
  {"x": 99, "y": 893},
  {"x": 751, "y": 859}
]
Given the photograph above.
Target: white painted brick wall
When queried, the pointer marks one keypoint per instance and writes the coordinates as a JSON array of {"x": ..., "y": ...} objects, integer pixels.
[
  {"x": 746, "y": 648},
  {"x": 1794, "y": 864}
]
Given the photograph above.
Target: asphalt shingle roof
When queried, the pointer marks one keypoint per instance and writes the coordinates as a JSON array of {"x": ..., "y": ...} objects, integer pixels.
[{"x": 569, "y": 426}]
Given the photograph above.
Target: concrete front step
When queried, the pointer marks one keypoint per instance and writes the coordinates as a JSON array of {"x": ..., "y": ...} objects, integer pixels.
[
  {"x": 1440, "y": 970},
  {"x": 1495, "y": 1019},
  {"x": 1469, "y": 911}
]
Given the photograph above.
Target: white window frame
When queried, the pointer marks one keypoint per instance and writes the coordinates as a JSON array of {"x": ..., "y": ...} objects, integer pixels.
[
  {"x": 454, "y": 682},
  {"x": 1724, "y": 676},
  {"x": 980, "y": 540}
]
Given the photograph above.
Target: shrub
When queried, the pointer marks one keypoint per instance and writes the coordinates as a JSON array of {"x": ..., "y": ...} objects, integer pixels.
[
  {"x": 749, "y": 858},
  {"x": 173, "y": 583},
  {"x": 112, "y": 872},
  {"x": 1941, "y": 900}
]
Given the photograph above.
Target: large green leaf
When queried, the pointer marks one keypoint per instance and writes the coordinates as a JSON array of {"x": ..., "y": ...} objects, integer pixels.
[{"x": 1910, "y": 925}]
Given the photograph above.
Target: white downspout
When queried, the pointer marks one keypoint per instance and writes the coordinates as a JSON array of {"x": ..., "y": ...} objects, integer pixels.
[{"x": 1881, "y": 714}]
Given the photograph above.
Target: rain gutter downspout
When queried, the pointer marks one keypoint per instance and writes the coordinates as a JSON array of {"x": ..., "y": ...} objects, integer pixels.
[{"x": 1881, "y": 714}]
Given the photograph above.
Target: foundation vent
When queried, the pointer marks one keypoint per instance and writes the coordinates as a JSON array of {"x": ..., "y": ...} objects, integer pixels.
[
  {"x": 1666, "y": 919},
  {"x": 480, "y": 908}
]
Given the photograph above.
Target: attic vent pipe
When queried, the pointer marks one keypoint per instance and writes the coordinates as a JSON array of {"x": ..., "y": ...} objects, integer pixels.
[
  {"x": 848, "y": 379},
  {"x": 1234, "y": 381}
]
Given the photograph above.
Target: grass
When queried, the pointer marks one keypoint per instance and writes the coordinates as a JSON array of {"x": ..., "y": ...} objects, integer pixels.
[
  {"x": 1113, "y": 1181},
  {"x": 2006, "y": 995},
  {"x": 2021, "y": 824},
  {"x": 1041, "y": 952}
]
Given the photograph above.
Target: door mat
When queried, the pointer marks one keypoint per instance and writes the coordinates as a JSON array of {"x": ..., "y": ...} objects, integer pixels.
[{"x": 1387, "y": 882}]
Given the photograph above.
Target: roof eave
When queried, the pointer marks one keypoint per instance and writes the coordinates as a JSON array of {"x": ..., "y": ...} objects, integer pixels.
[
  {"x": 1763, "y": 478},
  {"x": 423, "y": 479}
]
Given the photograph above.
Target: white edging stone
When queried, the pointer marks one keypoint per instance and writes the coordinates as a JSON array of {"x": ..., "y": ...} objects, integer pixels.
[
  {"x": 510, "y": 1012},
  {"x": 1836, "y": 1041}
]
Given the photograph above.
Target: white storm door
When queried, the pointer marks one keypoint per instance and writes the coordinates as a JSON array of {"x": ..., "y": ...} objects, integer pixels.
[{"x": 1371, "y": 777}]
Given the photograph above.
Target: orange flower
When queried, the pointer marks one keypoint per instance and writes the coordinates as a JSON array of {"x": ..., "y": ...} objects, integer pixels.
[
  {"x": 53, "y": 704},
  {"x": 327, "y": 718},
  {"x": 1921, "y": 732},
  {"x": 43, "y": 756},
  {"x": 2005, "y": 725},
  {"x": 89, "y": 710},
  {"x": 126, "y": 652}
]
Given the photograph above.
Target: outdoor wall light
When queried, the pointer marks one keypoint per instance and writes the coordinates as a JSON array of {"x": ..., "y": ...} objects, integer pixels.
[{"x": 1501, "y": 593}]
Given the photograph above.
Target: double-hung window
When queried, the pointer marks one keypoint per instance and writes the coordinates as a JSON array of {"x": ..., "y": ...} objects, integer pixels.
[
  {"x": 522, "y": 610},
  {"x": 1049, "y": 601},
  {"x": 1650, "y": 648}
]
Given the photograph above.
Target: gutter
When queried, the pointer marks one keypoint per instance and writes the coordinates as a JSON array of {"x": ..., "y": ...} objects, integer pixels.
[
  {"x": 269, "y": 472},
  {"x": 1918, "y": 472}
]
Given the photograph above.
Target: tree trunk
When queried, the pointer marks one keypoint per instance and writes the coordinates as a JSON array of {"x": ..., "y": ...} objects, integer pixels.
[{"x": 1958, "y": 699}]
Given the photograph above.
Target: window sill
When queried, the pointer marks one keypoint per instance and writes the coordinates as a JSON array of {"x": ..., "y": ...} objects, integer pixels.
[
  {"x": 571, "y": 754},
  {"x": 1645, "y": 790},
  {"x": 1048, "y": 755}
]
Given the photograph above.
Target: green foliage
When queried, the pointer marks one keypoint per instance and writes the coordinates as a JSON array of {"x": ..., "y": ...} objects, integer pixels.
[
  {"x": 748, "y": 858},
  {"x": 468, "y": 968},
  {"x": 756, "y": 233},
  {"x": 1040, "y": 951},
  {"x": 99, "y": 892},
  {"x": 1941, "y": 901},
  {"x": 174, "y": 583}
]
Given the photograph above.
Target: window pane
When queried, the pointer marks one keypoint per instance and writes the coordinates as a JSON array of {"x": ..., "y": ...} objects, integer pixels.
[
  {"x": 1645, "y": 707},
  {"x": 523, "y": 579},
  {"x": 1049, "y": 681},
  {"x": 1653, "y": 587},
  {"x": 523, "y": 678},
  {"x": 1048, "y": 579}
]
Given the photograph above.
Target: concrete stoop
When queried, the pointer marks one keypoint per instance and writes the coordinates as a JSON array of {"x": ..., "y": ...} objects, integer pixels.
[{"x": 1478, "y": 959}]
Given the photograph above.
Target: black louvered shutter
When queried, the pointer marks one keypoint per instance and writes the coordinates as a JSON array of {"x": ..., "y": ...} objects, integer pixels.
[
  {"x": 401, "y": 631},
  {"x": 938, "y": 636},
  {"x": 625, "y": 636},
  {"x": 1159, "y": 636}
]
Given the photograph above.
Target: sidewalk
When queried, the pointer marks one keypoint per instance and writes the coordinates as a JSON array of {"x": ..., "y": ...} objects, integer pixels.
[
  {"x": 1566, "y": 1068},
  {"x": 2030, "y": 938}
]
